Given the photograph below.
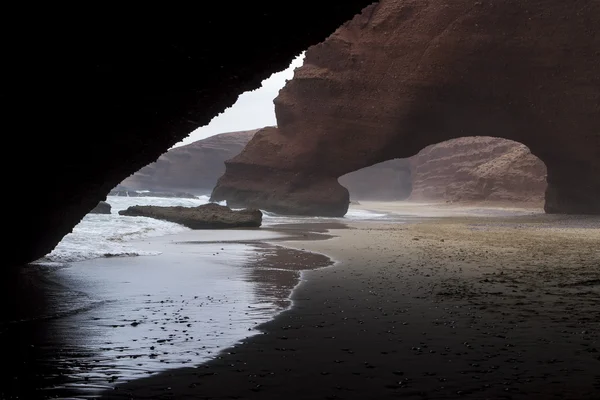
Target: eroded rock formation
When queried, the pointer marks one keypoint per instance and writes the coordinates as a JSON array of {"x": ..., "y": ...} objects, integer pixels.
[
  {"x": 101, "y": 208},
  {"x": 206, "y": 216},
  {"x": 404, "y": 75},
  {"x": 193, "y": 168},
  {"x": 464, "y": 169},
  {"x": 476, "y": 169},
  {"x": 196, "y": 167},
  {"x": 89, "y": 99}
]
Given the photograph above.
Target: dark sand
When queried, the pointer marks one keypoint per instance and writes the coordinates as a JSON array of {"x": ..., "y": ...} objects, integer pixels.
[{"x": 486, "y": 307}]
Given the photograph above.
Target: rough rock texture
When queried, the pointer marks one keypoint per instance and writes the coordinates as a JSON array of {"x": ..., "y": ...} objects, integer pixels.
[
  {"x": 196, "y": 167},
  {"x": 206, "y": 216},
  {"x": 88, "y": 99},
  {"x": 192, "y": 168},
  {"x": 102, "y": 208},
  {"x": 408, "y": 74},
  {"x": 478, "y": 168}
]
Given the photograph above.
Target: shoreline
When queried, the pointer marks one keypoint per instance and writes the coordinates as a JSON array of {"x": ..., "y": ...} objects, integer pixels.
[
  {"x": 445, "y": 307},
  {"x": 272, "y": 271}
]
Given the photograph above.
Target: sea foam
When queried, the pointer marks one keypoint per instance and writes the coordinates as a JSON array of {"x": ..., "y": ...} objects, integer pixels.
[{"x": 107, "y": 235}]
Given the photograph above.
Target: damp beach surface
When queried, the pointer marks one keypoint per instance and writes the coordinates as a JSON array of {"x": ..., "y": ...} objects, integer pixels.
[
  {"x": 500, "y": 304},
  {"x": 79, "y": 329}
]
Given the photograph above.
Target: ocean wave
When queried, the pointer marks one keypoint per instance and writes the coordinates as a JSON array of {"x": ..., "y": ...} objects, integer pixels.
[
  {"x": 271, "y": 218},
  {"x": 62, "y": 255},
  {"x": 355, "y": 214},
  {"x": 107, "y": 235}
]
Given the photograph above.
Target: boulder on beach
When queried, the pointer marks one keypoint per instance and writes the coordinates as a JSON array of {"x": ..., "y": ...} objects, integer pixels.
[
  {"x": 102, "y": 208},
  {"x": 206, "y": 216}
]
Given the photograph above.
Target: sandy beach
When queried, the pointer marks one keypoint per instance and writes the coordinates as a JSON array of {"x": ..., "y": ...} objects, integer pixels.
[{"x": 496, "y": 304}]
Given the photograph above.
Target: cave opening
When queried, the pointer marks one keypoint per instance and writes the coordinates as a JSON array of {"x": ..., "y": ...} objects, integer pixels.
[
  {"x": 192, "y": 166},
  {"x": 484, "y": 169},
  {"x": 533, "y": 288}
]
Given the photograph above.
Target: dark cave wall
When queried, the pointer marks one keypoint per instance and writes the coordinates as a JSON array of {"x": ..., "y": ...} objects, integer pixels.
[{"x": 90, "y": 96}]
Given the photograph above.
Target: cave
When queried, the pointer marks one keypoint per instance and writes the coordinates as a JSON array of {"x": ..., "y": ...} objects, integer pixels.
[
  {"x": 89, "y": 99},
  {"x": 402, "y": 76}
]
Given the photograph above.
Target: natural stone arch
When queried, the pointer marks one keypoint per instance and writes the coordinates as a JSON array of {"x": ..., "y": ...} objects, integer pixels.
[
  {"x": 467, "y": 169},
  {"x": 405, "y": 75},
  {"x": 475, "y": 169}
]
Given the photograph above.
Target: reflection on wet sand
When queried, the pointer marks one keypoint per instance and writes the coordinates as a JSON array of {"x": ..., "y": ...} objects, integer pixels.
[
  {"x": 80, "y": 330},
  {"x": 276, "y": 270}
]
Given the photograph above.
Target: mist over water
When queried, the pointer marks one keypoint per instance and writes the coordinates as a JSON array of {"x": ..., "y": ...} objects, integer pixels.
[{"x": 103, "y": 235}]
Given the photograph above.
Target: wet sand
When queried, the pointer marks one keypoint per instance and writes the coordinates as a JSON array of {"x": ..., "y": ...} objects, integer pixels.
[
  {"x": 77, "y": 330},
  {"x": 504, "y": 304}
]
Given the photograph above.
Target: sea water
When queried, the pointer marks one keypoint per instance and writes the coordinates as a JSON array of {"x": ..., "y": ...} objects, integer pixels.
[
  {"x": 121, "y": 297},
  {"x": 110, "y": 235}
]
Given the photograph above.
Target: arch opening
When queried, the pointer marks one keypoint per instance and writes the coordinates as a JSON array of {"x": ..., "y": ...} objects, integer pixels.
[{"x": 468, "y": 169}]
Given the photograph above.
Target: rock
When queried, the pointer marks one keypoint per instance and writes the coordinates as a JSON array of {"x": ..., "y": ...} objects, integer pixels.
[
  {"x": 478, "y": 169},
  {"x": 464, "y": 169},
  {"x": 206, "y": 216},
  {"x": 102, "y": 208},
  {"x": 405, "y": 75},
  {"x": 192, "y": 168},
  {"x": 117, "y": 99},
  {"x": 196, "y": 167}
]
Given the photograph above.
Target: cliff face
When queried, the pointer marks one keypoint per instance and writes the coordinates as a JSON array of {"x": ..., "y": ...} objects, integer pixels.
[
  {"x": 192, "y": 168},
  {"x": 464, "y": 169},
  {"x": 88, "y": 101},
  {"x": 404, "y": 75},
  {"x": 196, "y": 167},
  {"x": 478, "y": 168}
]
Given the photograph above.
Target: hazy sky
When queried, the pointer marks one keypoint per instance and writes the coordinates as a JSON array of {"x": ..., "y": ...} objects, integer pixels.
[{"x": 251, "y": 110}]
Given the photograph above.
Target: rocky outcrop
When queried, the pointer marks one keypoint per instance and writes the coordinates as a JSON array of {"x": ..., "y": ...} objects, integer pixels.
[
  {"x": 196, "y": 167},
  {"x": 102, "y": 208},
  {"x": 136, "y": 193},
  {"x": 206, "y": 216},
  {"x": 86, "y": 102},
  {"x": 404, "y": 75},
  {"x": 478, "y": 169},
  {"x": 193, "y": 168}
]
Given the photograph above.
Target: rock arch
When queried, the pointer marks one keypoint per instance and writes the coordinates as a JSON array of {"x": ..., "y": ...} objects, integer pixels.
[
  {"x": 407, "y": 74},
  {"x": 474, "y": 169}
]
